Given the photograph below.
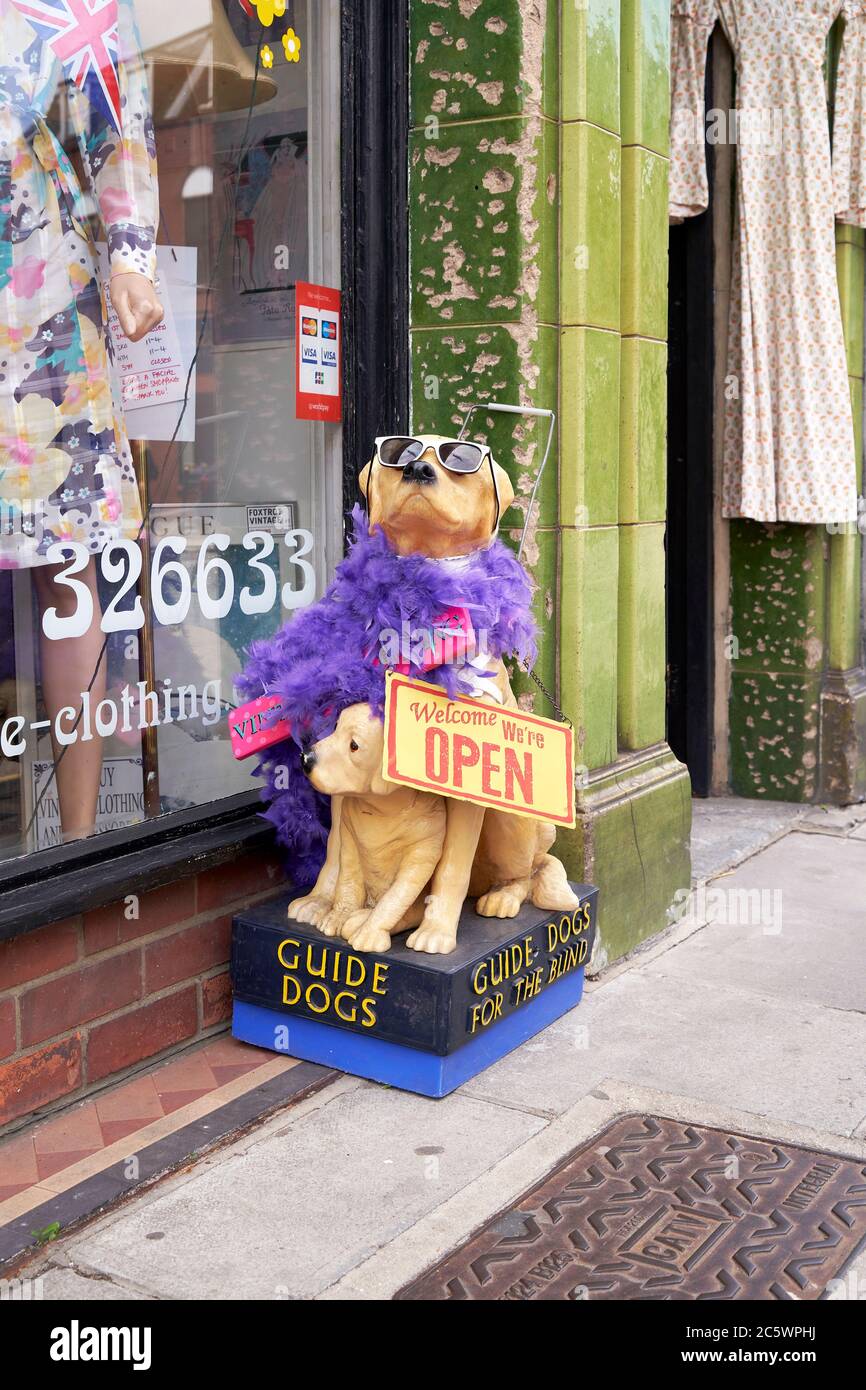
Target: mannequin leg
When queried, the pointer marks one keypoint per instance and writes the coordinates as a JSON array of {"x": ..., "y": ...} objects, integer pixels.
[{"x": 67, "y": 668}]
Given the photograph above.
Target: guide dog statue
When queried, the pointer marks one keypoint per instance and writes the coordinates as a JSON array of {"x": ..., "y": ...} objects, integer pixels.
[{"x": 430, "y": 510}]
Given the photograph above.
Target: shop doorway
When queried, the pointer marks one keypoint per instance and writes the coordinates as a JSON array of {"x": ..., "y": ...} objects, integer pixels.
[{"x": 690, "y": 568}]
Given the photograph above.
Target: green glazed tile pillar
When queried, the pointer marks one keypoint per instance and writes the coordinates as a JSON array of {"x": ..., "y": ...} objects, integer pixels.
[
  {"x": 844, "y": 608},
  {"x": 843, "y": 692},
  {"x": 643, "y": 394},
  {"x": 634, "y": 804},
  {"x": 589, "y": 280}
]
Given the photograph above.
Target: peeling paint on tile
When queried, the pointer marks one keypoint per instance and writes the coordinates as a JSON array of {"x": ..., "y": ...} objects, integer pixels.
[
  {"x": 453, "y": 261},
  {"x": 505, "y": 47},
  {"x": 442, "y": 229},
  {"x": 497, "y": 180},
  {"x": 433, "y": 155},
  {"x": 491, "y": 92}
]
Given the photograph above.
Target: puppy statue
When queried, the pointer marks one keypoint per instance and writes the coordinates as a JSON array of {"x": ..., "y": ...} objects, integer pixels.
[
  {"x": 441, "y": 499},
  {"x": 387, "y": 838}
]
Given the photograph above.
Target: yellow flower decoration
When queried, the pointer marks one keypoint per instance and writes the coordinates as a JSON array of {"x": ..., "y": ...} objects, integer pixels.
[
  {"x": 267, "y": 57},
  {"x": 292, "y": 46},
  {"x": 269, "y": 10}
]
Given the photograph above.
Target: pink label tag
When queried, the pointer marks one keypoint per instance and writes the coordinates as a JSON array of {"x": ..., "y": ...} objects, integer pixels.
[
  {"x": 256, "y": 725},
  {"x": 451, "y": 639}
]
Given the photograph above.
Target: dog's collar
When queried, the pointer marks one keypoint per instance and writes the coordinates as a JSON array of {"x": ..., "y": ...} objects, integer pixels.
[{"x": 451, "y": 562}]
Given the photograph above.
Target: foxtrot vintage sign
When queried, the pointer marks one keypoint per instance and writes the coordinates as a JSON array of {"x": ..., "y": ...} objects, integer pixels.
[
  {"x": 319, "y": 371},
  {"x": 476, "y": 751}
]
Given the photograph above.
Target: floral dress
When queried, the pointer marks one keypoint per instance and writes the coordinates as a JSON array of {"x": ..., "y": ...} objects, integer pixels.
[
  {"x": 789, "y": 452},
  {"x": 66, "y": 469}
]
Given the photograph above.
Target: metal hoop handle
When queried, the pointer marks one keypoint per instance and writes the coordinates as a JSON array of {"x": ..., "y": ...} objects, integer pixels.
[{"x": 537, "y": 413}]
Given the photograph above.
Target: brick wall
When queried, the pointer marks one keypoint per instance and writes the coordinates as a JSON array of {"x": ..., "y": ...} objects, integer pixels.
[{"x": 84, "y": 1000}]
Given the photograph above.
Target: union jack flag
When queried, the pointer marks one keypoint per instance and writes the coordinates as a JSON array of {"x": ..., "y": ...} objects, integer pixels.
[{"x": 82, "y": 35}]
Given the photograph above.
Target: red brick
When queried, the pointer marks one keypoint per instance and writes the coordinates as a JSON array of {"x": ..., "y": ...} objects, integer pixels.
[
  {"x": 141, "y": 1033},
  {"x": 28, "y": 1082},
  {"x": 216, "y": 999},
  {"x": 79, "y": 996},
  {"x": 164, "y": 907},
  {"x": 38, "y": 953},
  {"x": 240, "y": 879},
  {"x": 186, "y": 953},
  {"x": 7, "y": 1027}
]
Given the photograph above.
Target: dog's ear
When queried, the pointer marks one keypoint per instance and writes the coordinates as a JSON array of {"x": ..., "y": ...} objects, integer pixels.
[
  {"x": 504, "y": 488},
  {"x": 364, "y": 482},
  {"x": 371, "y": 504}
]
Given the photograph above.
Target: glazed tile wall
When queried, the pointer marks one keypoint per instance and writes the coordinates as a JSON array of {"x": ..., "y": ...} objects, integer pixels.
[{"x": 484, "y": 200}]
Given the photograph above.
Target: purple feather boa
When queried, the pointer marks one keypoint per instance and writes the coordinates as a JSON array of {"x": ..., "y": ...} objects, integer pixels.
[{"x": 316, "y": 663}]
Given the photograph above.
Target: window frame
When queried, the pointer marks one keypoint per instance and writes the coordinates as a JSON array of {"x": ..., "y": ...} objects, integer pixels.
[{"x": 45, "y": 886}]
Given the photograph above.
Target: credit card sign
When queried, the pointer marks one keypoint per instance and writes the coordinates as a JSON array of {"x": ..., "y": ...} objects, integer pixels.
[{"x": 319, "y": 358}]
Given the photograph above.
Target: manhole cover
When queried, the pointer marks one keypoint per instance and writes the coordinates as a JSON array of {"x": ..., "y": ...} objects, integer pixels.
[{"x": 655, "y": 1209}]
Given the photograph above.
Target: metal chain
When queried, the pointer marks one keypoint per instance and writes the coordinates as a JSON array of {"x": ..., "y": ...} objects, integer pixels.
[{"x": 563, "y": 718}]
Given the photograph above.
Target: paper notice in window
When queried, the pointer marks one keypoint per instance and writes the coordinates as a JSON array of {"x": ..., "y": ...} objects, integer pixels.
[{"x": 153, "y": 371}]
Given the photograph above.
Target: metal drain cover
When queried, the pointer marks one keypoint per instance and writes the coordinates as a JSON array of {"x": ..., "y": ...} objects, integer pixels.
[{"x": 655, "y": 1209}]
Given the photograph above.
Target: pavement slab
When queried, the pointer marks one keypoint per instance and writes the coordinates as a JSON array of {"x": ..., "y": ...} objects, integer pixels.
[
  {"x": 727, "y": 830},
  {"x": 799, "y": 1062},
  {"x": 286, "y": 1213},
  {"x": 787, "y": 923}
]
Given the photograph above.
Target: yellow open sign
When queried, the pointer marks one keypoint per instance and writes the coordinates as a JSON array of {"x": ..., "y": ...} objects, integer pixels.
[{"x": 478, "y": 752}]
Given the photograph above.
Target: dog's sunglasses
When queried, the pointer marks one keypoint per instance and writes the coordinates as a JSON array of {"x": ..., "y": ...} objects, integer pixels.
[{"x": 457, "y": 455}]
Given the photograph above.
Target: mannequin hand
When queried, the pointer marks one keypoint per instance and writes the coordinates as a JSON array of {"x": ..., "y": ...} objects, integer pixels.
[{"x": 135, "y": 304}]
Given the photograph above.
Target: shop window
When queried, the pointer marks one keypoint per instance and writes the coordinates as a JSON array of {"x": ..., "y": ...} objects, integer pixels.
[{"x": 155, "y": 522}]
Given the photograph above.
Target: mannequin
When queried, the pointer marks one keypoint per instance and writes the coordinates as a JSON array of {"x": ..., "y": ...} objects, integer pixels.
[
  {"x": 64, "y": 452},
  {"x": 67, "y": 667}
]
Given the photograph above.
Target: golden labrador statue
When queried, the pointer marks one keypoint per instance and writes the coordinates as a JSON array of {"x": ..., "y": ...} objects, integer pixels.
[
  {"x": 389, "y": 838},
  {"x": 427, "y": 503}
]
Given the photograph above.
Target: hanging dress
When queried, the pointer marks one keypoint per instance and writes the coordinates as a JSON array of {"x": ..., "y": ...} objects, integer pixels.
[
  {"x": 66, "y": 469},
  {"x": 789, "y": 452}
]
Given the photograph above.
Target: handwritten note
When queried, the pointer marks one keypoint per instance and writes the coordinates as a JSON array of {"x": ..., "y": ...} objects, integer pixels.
[{"x": 153, "y": 372}]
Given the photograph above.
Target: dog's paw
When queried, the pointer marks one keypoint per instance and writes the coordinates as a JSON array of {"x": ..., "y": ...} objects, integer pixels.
[
  {"x": 433, "y": 939},
  {"x": 353, "y": 923},
  {"x": 504, "y": 901},
  {"x": 311, "y": 910},
  {"x": 363, "y": 935},
  {"x": 331, "y": 923}
]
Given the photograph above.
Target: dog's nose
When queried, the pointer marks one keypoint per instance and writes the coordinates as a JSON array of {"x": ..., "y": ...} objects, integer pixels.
[
  {"x": 308, "y": 760},
  {"x": 419, "y": 471}
]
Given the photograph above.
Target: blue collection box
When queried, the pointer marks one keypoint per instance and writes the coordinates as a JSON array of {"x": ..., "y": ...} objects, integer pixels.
[{"x": 423, "y": 1023}]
